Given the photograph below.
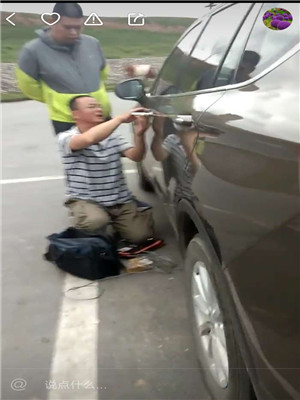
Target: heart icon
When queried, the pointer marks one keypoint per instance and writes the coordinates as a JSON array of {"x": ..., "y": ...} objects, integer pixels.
[{"x": 51, "y": 15}]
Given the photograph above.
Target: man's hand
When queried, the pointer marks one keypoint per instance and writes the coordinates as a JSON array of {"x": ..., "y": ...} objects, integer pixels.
[
  {"x": 140, "y": 71},
  {"x": 141, "y": 124},
  {"x": 159, "y": 153},
  {"x": 127, "y": 117},
  {"x": 188, "y": 139},
  {"x": 158, "y": 125}
]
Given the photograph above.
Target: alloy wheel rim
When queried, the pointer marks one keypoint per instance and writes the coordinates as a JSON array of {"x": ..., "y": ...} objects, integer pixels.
[{"x": 210, "y": 333}]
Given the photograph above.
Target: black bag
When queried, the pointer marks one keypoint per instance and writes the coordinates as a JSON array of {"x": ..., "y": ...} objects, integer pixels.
[{"x": 87, "y": 256}]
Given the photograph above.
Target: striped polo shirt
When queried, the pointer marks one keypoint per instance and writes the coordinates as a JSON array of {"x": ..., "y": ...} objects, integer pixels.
[
  {"x": 95, "y": 173},
  {"x": 181, "y": 167}
]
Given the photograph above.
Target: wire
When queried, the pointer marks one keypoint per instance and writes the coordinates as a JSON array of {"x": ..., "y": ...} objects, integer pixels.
[
  {"x": 155, "y": 269},
  {"x": 79, "y": 287}
]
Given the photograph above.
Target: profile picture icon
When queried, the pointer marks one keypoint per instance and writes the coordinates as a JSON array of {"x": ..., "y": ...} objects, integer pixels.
[{"x": 277, "y": 19}]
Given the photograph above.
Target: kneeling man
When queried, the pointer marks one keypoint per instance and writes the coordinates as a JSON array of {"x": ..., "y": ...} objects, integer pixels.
[{"x": 96, "y": 187}]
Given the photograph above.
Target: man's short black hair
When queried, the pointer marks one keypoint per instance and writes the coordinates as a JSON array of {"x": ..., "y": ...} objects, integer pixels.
[
  {"x": 71, "y": 10},
  {"x": 251, "y": 57},
  {"x": 72, "y": 103}
]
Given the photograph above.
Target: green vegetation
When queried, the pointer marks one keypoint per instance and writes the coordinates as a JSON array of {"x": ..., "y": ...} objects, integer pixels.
[
  {"x": 17, "y": 96},
  {"x": 116, "y": 43},
  {"x": 13, "y": 39},
  {"x": 163, "y": 21},
  {"x": 125, "y": 43},
  {"x": 150, "y": 21}
]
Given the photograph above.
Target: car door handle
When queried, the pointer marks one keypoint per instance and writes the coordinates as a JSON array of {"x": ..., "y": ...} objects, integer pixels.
[{"x": 184, "y": 121}]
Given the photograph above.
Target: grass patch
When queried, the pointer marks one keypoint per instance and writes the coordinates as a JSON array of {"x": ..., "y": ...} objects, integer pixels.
[
  {"x": 110, "y": 87},
  {"x": 150, "y": 21},
  {"x": 13, "y": 96},
  {"x": 18, "y": 96},
  {"x": 116, "y": 43}
]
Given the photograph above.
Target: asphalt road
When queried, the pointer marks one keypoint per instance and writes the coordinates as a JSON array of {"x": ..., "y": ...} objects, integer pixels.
[{"x": 134, "y": 342}]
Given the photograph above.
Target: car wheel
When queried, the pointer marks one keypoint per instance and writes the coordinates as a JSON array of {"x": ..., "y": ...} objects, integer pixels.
[
  {"x": 145, "y": 183},
  {"x": 221, "y": 364}
]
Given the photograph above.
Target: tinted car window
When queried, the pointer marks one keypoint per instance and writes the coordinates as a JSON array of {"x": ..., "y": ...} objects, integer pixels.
[
  {"x": 167, "y": 81},
  {"x": 232, "y": 60},
  {"x": 265, "y": 45},
  {"x": 211, "y": 48}
]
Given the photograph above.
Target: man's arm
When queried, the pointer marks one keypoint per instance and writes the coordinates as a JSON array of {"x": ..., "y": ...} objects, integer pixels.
[
  {"x": 100, "y": 132},
  {"x": 159, "y": 153},
  {"x": 137, "y": 152},
  {"x": 189, "y": 142},
  {"x": 27, "y": 74}
]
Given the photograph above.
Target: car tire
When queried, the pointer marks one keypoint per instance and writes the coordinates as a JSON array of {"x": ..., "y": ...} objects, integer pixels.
[
  {"x": 221, "y": 364},
  {"x": 145, "y": 183}
]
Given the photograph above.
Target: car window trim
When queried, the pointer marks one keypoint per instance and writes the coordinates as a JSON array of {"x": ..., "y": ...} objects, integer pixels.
[
  {"x": 204, "y": 20},
  {"x": 234, "y": 76},
  {"x": 246, "y": 42},
  {"x": 209, "y": 17},
  {"x": 267, "y": 70},
  {"x": 220, "y": 9},
  {"x": 253, "y": 5},
  {"x": 216, "y": 74},
  {"x": 231, "y": 86}
]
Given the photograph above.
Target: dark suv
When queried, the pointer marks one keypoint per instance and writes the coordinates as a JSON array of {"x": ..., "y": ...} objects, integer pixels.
[{"x": 227, "y": 106}]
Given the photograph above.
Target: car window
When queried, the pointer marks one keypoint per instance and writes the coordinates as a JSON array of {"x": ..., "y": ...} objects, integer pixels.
[
  {"x": 167, "y": 81},
  {"x": 265, "y": 46},
  {"x": 232, "y": 60},
  {"x": 211, "y": 48}
]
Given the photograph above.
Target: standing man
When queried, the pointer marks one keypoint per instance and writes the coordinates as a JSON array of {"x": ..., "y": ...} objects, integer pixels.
[
  {"x": 62, "y": 63},
  {"x": 96, "y": 187}
]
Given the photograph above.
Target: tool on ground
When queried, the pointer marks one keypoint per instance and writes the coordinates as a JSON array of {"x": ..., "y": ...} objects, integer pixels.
[
  {"x": 148, "y": 261},
  {"x": 129, "y": 250}
]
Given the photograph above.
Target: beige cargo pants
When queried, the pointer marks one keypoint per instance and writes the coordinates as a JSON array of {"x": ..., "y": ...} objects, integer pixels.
[{"x": 132, "y": 225}]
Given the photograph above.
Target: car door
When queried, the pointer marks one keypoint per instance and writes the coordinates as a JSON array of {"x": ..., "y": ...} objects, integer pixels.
[
  {"x": 248, "y": 191},
  {"x": 188, "y": 76},
  {"x": 159, "y": 99}
]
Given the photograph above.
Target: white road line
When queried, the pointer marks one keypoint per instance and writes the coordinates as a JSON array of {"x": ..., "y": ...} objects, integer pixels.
[
  {"x": 46, "y": 178},
  {"x": 28, "y": 180},
  {"x": 75, "y": 356},
  {"x": 74, "y": 362}
]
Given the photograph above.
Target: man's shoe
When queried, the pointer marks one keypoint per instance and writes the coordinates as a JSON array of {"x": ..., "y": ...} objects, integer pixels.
[
  {"x": 130, "y": 250},
  {"x": 142, "y": 206}
]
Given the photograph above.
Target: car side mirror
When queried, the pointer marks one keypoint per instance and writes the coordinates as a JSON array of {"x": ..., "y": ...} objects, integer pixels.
[{"x": 132, "y": 89}]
